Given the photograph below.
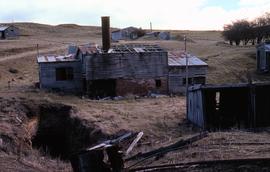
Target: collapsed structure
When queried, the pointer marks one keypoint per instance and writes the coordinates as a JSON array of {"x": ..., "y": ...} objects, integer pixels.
[
  {"x": 229, "y": 106},
  {"x": 137, "y": 69}
]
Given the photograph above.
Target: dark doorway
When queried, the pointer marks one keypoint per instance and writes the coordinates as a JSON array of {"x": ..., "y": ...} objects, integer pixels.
[
  {"x": 2, "y": 35},
  {"x": 64, "y": 74},
  {"x": 102, "y": 88}
]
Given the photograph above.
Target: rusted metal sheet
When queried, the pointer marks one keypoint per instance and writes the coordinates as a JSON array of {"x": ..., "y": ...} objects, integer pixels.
[
  {"x": 53, "y": 59},
  {"x": 179, "y": 59}
]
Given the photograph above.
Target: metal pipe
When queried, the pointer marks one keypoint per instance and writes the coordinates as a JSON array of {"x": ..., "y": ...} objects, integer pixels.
[
  {"x": 106, "y": 38},
  {"x": 187, "y": 105}
]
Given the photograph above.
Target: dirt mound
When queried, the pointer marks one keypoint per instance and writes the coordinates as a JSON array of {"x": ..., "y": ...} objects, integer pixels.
[{"x": 50, "y": 128}]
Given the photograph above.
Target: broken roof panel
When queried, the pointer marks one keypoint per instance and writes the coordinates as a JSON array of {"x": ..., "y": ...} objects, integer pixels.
[
  {"x": 89, "y": 48},
  {"x": 136, "y": 48},
  {"x": 53, "y": 59},
  {"x": 179, "y": 59}
]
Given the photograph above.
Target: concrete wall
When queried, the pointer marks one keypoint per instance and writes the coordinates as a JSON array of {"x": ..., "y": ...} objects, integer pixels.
[
  {"x": 47, "y": 73},
  {"x": 126, "y": 66}
]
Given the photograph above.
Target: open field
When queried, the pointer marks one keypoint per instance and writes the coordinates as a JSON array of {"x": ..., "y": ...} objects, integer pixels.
[{"x": 161, "y": 119}]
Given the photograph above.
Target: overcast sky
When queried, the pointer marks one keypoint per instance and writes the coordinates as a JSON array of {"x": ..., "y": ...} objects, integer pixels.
[{"x": 167, "y": 14}]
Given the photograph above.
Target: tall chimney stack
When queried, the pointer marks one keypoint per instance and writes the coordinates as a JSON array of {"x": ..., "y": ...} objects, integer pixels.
[{"x": 106, "y": 38}]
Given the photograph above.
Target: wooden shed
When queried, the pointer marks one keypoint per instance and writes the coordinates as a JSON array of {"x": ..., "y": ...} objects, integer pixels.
[
  {"x": 60, "y": 73},
  {"x": 125, "y": 34},
  {"x": 229, "y": 106},
  {"x": 9, "y": 32},
  {"x": 125, "y": 69},
  {"x": 197, "y": 70},
  {"x": 263, "y": 57}
]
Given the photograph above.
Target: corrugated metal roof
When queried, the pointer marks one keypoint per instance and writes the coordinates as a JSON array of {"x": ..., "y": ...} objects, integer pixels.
[
  {"x": 179, "y": 59},
  {"x": 53, "y": 59},
  {"x": 2, "y": 28},
  {"x": 136, "y": 48},
  {"x": 90, "y": 49}
]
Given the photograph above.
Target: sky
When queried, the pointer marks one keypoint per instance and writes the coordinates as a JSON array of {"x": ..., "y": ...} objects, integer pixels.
[{"x": 167, "y": 14}]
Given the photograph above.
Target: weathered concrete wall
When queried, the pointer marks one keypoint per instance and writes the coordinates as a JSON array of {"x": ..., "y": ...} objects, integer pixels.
[
  {"x": 47, "y": 75},
  {"x": 126, "y": 65}
]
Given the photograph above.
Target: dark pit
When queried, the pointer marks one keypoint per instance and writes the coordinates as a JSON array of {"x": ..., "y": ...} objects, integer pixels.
[{"x": 62, "y": 135}]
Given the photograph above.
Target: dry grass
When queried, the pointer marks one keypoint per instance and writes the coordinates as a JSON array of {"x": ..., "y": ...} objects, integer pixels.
[{"x": 162, "y": 119}]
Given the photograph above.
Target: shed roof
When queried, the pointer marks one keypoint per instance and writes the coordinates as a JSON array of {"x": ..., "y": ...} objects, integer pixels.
[
  {"x": 135, "y": 48},
  {"x": 128, "y": 29},
  {"x": 226, "y": 86},
  {"x": 265, "y": 46},
  {"x": 3, "y": 28},
  {"x": 179, "y": 59},
  {"x": 54, "y": 59}
]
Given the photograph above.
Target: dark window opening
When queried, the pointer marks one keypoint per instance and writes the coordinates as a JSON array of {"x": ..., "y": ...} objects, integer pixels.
[
  {"x": 189, "y": 81},
  {"x": 217, "y": 100},
  {"x": 102, "y": 88},
  {"x": 267, "y": 54},
  {"x": 64, "y": 73},
  {"x": 258, "y": 59},
  {"x": 199, "y": 80},
  {"x": 158, "y": 83}
]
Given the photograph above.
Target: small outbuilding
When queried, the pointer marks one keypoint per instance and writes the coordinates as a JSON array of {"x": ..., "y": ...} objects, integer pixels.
[
  {"x": 215, "y": 107},
  {"x": 9, "y": 32},
  {"x": 197, "y": 70},
  {"x": 125, "y": 34},
  {"x": 263, "y": 57},
  {"x": 60, "y": 73}
]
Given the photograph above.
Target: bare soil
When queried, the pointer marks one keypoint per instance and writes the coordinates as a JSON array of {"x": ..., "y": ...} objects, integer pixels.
[{"x": 24, "y": 108}]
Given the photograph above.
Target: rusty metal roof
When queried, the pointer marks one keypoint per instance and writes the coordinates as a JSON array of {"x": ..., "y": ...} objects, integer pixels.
[
  {"x": 135, "y": 48},
  {"x": 53, "y": 59},
  {"x": 89, "y": 49},
  {"x": 179, "y": 59}
]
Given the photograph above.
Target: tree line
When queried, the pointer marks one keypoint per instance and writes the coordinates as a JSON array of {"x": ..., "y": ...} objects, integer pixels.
[{"x": 248, "y": 31}]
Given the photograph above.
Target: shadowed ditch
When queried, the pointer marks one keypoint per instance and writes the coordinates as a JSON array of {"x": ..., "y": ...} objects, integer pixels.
[{"x": 61, "y": 135}]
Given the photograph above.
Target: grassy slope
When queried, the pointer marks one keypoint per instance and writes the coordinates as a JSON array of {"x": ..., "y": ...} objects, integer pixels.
[{"x": 160, "y": 119}]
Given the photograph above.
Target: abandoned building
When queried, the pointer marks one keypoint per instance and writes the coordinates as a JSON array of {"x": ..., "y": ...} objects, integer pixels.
[
  {"x": 158, "y": 35},
  {"x": 128, "y": 33},
  {"x": 263, "y": 57},
  {"x": 118, "y": 70},
  {"x": 9, "y": 32},
  {"x": 197, "y": 70},
  {"x": 229, "y": 106}
]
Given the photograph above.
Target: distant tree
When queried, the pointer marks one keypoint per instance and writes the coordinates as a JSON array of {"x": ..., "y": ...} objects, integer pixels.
[
  {"x": 238, "y": 31},
  {"x": 245, "y": 31},
  {"x": 228, "y": 33}
]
